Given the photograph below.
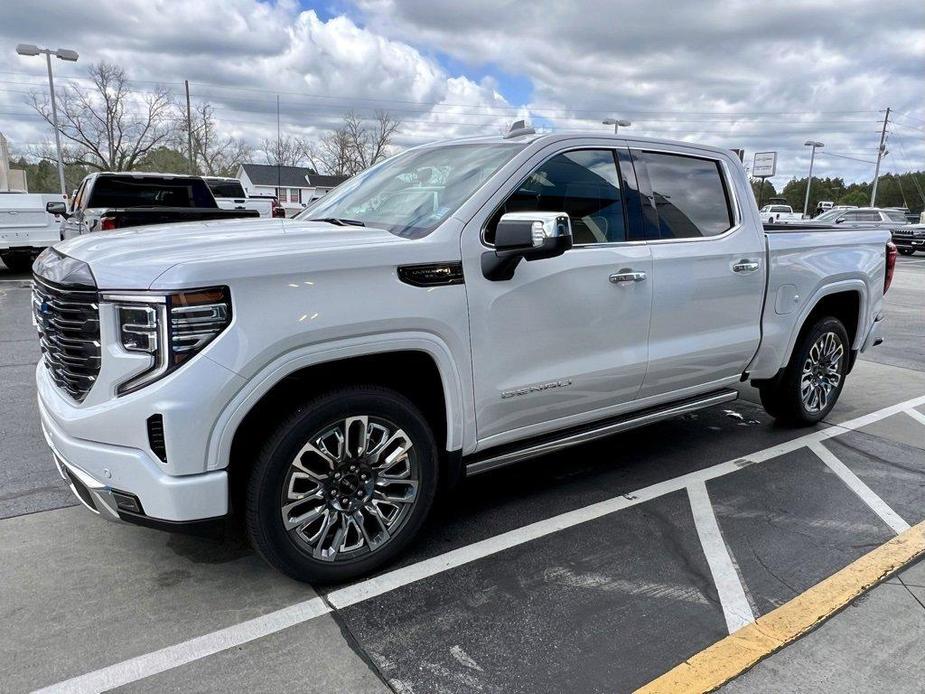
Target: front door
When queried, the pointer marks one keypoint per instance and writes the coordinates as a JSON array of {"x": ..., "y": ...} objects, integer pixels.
[{"x": 565, "y": 340}]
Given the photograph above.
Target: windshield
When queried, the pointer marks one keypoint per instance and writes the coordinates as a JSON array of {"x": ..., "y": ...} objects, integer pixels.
[
  {"x": 412, "y": 193},
  {"x": 829, "y": 216}
]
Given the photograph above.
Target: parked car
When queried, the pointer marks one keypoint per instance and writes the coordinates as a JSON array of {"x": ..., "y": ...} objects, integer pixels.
[
  {"x": 910, "y": 238},
  {"x": 862, "y": 216},
  {"x": 107, "y": 201},
  {"x": 781, "y": 214},
  {"x": 230, "y": 195},
  {"x": 26, "y": 229},
  {"x": 325, "y": 377}
]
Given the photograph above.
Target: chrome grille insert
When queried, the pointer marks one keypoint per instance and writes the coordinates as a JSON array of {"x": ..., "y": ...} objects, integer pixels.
[{"x": 68, "y": 323}]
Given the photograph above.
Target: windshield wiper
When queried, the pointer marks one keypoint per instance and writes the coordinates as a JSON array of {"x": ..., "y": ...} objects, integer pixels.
[{"x": 339, "y": 221}]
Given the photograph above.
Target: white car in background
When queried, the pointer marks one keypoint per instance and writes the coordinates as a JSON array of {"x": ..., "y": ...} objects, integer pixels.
[
  {"x": 26, "y": 229},
  {"x": 230, "y": 195},
  {"x": 779, "y": 214}
]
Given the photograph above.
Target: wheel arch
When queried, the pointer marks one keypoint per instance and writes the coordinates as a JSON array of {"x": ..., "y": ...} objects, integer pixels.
[
  {"x": 847, "y": 301},
  {"x": 419, "y": 366}
]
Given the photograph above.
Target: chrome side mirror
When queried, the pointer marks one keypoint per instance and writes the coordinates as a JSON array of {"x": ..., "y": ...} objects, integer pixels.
[{"x": 526, "y": 236}]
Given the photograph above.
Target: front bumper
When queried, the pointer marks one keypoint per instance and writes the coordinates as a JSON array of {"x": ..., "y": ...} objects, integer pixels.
[
  {"x": 908, "y": 242},
  {"x": 101, "y": 475}
]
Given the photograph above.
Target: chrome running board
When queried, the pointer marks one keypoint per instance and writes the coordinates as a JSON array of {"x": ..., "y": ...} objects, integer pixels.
[{"x": 550, "y": 443}]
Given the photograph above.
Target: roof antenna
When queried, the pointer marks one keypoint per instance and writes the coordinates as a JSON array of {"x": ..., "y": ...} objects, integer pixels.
[{"x": 519, "y": 128}]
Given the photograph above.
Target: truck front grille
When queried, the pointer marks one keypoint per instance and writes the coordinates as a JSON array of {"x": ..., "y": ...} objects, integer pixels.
[{"x": 68, "y": 323}]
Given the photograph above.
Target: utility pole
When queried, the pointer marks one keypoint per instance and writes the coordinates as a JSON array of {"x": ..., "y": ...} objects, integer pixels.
[
  {"x": 189, "y": 130},
  {"x": 873, "y": 193},
  {"x": 279, "y": 151}
]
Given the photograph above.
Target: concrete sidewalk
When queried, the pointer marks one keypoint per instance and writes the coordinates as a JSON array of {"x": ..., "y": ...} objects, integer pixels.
[{"x": 874, "y": 645}]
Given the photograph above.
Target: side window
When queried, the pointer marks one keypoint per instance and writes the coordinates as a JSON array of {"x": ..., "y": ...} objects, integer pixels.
[
  {"x": 869, "y": 216},
  {"x": 584, "y": 184},
  {"x": 690, "y": 195},
  {"x": 851, "y": 216},
  {"x": 78, "y": 196}
]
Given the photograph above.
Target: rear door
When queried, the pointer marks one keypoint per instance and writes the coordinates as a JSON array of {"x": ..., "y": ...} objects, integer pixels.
[
  {"x": 563, "y": 341},
  {"x": 708, "y": 271}
]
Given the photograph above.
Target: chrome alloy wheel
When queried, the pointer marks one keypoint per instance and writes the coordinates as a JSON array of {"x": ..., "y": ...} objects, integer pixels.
[
  {"x": 821, "y": 372},
  {"x": 350, "y": 489}
]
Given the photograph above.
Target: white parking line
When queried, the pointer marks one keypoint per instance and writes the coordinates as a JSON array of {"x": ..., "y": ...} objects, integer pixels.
[
  {"x": 736, "y": 610},
  {"x": 854, "y": 483},
  {"x": 164, "y": 659},
  {"x": 134, "y": 669},
  {"x": 916, "y": 415}
]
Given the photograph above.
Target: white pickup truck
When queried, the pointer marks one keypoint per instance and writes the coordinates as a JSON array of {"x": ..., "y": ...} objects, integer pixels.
[
  {"x": 26, "y": 229},
  {"x": 230, "y": 195},
  {"x": 779, "y": 214},
  {"x": 324, "y": 376}
]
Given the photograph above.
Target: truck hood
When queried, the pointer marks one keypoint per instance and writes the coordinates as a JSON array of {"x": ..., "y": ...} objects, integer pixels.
[{"x": 134, "y": 258}]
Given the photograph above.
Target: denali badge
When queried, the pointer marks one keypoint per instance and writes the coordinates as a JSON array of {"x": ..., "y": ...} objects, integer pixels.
[{"x": 526, "y": 390}]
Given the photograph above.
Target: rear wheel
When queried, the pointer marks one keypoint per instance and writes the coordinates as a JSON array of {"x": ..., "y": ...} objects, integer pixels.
[
  {"x": 17, "y": 261},
  {"x": 343, "y": 485},
  {"x": 812, "y": 381}
]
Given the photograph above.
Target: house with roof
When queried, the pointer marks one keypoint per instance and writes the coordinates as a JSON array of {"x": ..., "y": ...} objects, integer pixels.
[{"x": 293, "y": 186}]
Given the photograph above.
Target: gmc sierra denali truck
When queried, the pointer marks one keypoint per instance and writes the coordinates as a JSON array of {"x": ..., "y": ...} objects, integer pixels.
[{"x": 461, "y": 306}]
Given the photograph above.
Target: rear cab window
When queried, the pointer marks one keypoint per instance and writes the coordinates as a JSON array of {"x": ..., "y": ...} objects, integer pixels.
[
  {"x": 226, "y": 189},
  {"x": 689, "y": 193},
  {"x": 150, "y": 191}
]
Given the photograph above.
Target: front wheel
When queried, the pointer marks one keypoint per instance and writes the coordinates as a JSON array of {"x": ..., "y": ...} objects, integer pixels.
[
  {"x": 813, "y": 379},
  {"x": 343, "y": 485}
]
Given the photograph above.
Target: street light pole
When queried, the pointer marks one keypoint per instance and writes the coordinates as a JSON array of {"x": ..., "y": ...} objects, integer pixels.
[
  {"x": 54, "y": 120},
  {"x": 63, "y": 54},
  {"x": 616, "y": 123},
  {"x": 809, "y": 181}
]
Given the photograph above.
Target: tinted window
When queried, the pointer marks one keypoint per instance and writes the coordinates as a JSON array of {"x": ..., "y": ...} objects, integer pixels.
[
  {"x": 150, "y": 191},
  {"x": 226, "y": 189},
  {"x": 585, "y": 185},
  {"x": 869, "y": 216},
  {"x": 690, "y": 195},
  {"x": 896, "y": 215}
]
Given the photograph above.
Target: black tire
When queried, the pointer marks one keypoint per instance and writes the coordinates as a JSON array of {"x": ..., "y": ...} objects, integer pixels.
[
  {"x": 17, "y": 262},
  {"x": 906, "y": 251},
  {"x": 783, "y": 398},
  {"x": 271, "y": 478}
]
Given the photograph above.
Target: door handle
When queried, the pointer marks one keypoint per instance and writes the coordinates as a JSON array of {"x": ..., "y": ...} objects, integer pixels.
[
  {"x": 627, "y": 276},
  {"x": 745, "y": 266}
]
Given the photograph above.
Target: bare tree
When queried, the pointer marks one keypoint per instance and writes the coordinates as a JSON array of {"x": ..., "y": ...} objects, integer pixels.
[
  {"x": 354, "y": 146},
  {"x": 213, "y": 154},
  {"x": 285, "y": 151},
  {"x": 111, "y": 126}
]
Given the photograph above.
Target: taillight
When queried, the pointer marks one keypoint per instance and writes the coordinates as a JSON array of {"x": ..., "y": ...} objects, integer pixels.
[
  {"x": 890, "y": 265},
  {"x": 108, "y": 223}
]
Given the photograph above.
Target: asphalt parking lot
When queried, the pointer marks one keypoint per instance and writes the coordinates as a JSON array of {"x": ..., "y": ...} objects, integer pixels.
[{"x": 598, "y": 569}]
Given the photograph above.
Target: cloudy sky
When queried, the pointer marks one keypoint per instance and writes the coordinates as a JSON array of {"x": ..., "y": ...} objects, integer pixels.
[{"x": 763, "y": 76}]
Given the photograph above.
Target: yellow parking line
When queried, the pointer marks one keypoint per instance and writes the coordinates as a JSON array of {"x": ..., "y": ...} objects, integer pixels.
[{"x": 726, "y": 659}]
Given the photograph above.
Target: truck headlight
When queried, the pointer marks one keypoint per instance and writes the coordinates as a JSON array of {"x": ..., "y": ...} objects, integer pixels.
[{"x": 171, "y": 328}]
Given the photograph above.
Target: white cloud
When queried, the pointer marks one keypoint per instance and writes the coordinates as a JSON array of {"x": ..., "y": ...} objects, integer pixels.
[
  {"x": 799, "y": 69},
  {"x": 789, "y": 70}
]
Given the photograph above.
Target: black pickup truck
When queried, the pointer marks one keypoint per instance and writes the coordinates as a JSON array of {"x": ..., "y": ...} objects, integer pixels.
[{"x": 105, "y": 201}]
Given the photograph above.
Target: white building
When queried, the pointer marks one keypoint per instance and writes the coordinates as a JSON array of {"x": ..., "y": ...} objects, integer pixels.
[{"x": 293, "y": 186}]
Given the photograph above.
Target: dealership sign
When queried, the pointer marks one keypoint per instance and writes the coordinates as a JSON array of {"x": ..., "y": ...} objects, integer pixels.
[{"x": 764, "y": 165}]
